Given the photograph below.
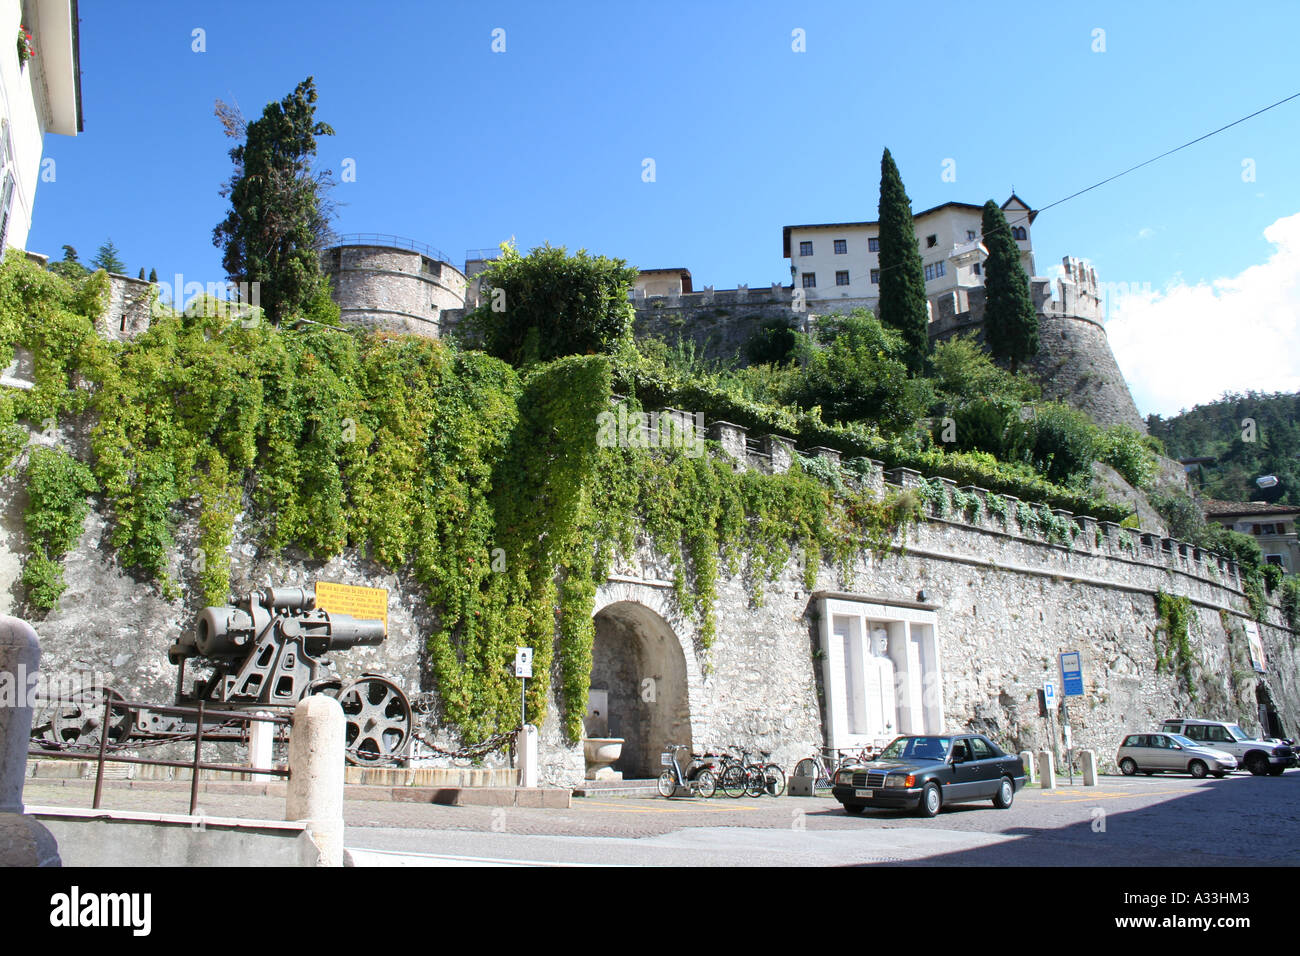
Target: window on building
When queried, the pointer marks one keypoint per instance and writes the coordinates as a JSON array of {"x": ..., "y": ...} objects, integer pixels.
[
  {"x": 810, "y": 280},
  {"x": 1018, "y": 232},
  {"x": 977, "y": 269},
  {"x": 1273, "y": 559},
  {"x": 6, "y": 207},
  {"x": 970, "y": 235},
  {"x": 934, "y": 270},
  {"x": 873, "y": 244},
  {"x": 805, "y": 248},
  {"x": 1255, "y": 529},
  {"x": 875, "y": 277},
  {"x": 931, "y": 241},
  {"x": 841, "y": 246},
  {"x": 939, "y": 269},
  {"x": 842, "y": 277}
]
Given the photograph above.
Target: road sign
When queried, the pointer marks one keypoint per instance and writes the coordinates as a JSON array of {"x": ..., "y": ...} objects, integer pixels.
[
  {"x": 523, "y": 662},
  {"x": 1071, "y": 674},
  {"x": 1049, "y": 694}
]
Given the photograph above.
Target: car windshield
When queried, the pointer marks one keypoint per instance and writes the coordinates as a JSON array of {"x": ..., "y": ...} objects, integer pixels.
[
  {"x": 1183, "y": 741},
  {"x": 919, "y": 748},
  {"x": 1237, "y": 732}
]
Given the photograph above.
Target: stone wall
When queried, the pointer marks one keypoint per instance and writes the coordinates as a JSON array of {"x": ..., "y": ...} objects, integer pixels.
[
  {"x": 1007, "y": 602},
  {"x": 127, "y": 313}
]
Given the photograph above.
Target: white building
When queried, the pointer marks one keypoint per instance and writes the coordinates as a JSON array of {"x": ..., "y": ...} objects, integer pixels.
[
  {"x": 841, "y": 260},
  {"x": 1273, "y": 526},
  {"x": 39, "y": 96}
]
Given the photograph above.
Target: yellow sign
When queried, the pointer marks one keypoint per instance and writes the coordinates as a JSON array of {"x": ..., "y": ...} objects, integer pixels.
[{"x": 370, "y": 604}]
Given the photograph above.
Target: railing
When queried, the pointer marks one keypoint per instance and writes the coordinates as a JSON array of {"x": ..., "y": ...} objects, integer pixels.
[
  {"x": 115, "y": 708},
  {"x": 482, "y": 254},
  {"x": 385, "y": 239}
]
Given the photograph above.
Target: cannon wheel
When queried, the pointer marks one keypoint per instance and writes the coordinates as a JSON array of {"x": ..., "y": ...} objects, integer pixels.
[
  {"x": 379, "y": 723},
  {"x": 78, "y": 721}
]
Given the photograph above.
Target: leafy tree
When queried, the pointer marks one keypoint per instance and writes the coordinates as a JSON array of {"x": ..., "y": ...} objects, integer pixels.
[
  {"x": 548, "y": 304},
  {"x": 963, "y": 371},
  {"x": 1065, "y": 444},
  {"x": 70, "y": 267},
  {"x": 1010, "y": 322},
  {"x": 106, "y": 258},
  {"x": 153, "y": 275},
  {"x": 773, "y": 344},
  {"x": 902, "y": 280},
  {"x": 142, "y": 272},
  {"x": 858, "y": 373},
  {"x": 279, "y": 215}
]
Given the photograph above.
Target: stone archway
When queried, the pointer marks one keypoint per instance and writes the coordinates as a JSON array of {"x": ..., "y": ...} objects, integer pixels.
[{"x": 640, "y": 670}]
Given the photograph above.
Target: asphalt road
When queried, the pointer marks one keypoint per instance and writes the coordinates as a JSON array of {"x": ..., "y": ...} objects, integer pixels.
[{"x": 1142, "y": 821}]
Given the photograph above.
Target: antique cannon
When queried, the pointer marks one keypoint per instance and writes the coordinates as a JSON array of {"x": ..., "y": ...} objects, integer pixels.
[{"x": 266, "y": 651}]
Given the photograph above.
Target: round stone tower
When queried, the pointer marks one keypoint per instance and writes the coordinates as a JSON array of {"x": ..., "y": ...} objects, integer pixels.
[
  {"x": 1074, "y": 362},
  {"x": 393, "y": 284}
]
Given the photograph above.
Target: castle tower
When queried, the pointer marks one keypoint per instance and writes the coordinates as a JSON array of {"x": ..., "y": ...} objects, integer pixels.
[
  {"x": 393, "y": 284},
  {"x": 1074, "y": 360}
]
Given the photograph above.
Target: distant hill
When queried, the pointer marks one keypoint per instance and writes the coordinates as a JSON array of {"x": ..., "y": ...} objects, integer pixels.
[{"x": 1240, "y": 455}]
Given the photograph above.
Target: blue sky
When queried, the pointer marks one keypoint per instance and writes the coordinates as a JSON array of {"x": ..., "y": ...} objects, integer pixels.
[{"x": 461, "y": 147}]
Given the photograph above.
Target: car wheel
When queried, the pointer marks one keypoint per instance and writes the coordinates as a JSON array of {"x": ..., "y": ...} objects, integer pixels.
[
  {"x": 853, "y": 809},
  {"x": 1198, "y": 769},
  {"x": 1276, "y": 771},
  {"x": 1257, "y": 764},
  {"x": 1128, "y": 767},
  {"x": 931, "y": 800},
  {"x": 1006, "y": 793}
]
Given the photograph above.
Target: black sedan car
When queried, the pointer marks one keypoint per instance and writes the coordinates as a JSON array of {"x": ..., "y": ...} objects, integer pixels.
[{"x": 924, "y": 773}]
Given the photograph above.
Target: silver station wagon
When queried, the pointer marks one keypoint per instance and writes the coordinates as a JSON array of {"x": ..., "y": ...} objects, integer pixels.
[{"x": 1171, "y": 753}]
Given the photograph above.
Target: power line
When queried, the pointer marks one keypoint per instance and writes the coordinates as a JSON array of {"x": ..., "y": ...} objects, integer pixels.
[{"x": 1168, "y": 152}]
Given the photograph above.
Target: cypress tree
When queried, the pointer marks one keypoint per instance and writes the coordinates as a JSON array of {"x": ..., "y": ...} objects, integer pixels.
[
  {"x": 902, "y": 281},
  {"x": 153, "y": 275},
  {"x": 1010, "y": 322}
]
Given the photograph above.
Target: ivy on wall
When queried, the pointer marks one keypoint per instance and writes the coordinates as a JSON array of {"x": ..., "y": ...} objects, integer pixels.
[
  {"x": 1175, "y": 614},
  {"x": 488, "y": 483}
]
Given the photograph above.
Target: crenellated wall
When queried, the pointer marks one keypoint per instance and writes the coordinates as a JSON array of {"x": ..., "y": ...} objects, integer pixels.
[{"x": 1008, "y": 595}]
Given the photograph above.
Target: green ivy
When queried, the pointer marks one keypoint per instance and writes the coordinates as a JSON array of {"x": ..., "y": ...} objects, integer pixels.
[
  {"x": 1175, "y": 614},
  {"x": 58, "y": 490}
]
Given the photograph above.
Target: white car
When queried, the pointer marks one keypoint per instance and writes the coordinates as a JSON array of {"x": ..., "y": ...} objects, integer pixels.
[{"x": 1171, "y": 753}]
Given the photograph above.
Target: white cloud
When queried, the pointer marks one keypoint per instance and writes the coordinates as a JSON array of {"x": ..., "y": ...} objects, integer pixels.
[
  {"x": 1189, "y": 344},
  {"x": 1146, "y": 232}
]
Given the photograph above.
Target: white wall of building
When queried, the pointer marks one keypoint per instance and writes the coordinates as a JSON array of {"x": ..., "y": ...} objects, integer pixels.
[{"x": 35, "y": 98}]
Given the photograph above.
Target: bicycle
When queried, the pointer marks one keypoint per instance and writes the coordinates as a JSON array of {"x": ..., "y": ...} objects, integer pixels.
[
  {"x": 698, "y": 779},
  {"x": 818, "y": 766}
]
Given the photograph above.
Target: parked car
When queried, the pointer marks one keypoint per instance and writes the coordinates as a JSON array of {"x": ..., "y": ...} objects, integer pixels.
[
  {"x": 1171, "y": 753},
  {"x": 924, "y": 773},
  {"x": 1257, "y": 756}
]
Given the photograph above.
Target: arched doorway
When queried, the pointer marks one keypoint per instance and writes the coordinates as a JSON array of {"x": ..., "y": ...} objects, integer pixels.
[{"x": 639, "y": 671}]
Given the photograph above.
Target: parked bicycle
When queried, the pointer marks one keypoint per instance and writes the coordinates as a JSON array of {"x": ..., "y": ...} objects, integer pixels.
[
  {"x": 698, "y": 778},
  {"x": 823, "y": 765},
  {"x": 741, "y": 777}
]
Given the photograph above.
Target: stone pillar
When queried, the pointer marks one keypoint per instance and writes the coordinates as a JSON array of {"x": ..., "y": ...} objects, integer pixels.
[
  {"x": 1046, "y": 770},
  {"x": 782, "y": 452},
  {"x": 830, "y": 454},
  {"x": 1088, "y": 759},
  {"x": 732, "y": 439},
  {"x": 527, "y": 744},
  {"x": 1088, "y": 524},
  {"x": 24, "y": 841},
  {"x": 903, "y": 477},
  {"x": 20, "y": 659},
  {"x": 316, "y": 774},
  {"x": 1031, "y": 770}
]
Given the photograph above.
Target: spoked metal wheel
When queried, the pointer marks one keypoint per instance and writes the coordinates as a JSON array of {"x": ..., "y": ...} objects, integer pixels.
[
  {"x": 379, "y": 723},
  {"x": 773, "y": 780},
  {"x": 732, "y": 781},
  {"x": 706, "y": 785},
  {"x": 78, "y": 720}
]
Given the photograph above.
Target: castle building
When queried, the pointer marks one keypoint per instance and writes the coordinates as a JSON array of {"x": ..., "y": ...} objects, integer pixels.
[
  {"x": 837, "y": 264},
  {"x": 1273, "y": 526},
  {"x": 39, "y": 94}
]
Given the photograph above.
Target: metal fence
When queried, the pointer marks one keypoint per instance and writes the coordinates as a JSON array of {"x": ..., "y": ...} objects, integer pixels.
[
  {"x": 216, "y": 724},
  {"x": 387, "y": 239}
]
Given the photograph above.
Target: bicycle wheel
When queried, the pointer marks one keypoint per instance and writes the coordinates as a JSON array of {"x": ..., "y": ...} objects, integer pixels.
[
  {"x": 755, "y": 784},
  {"x": 807, "y": 767},
  {"x": 706, "y": 785},
  {"x": 774, "y": 780},
  {"x": 667, "y": 784},
  {"x": 733, "y": 781}
]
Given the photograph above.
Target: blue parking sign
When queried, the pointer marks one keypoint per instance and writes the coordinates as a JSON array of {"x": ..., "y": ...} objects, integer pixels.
[{"x": 1072, "y": 674}]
